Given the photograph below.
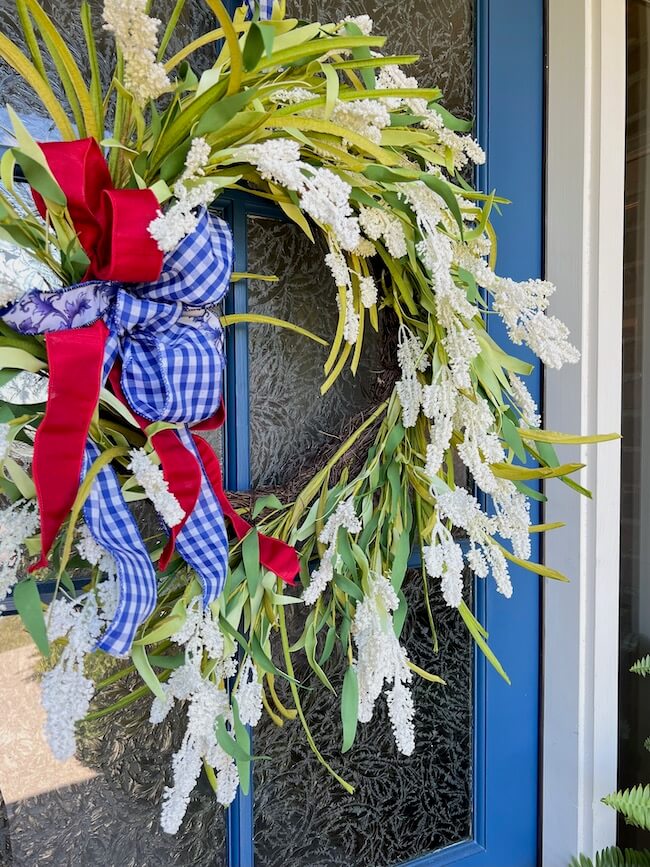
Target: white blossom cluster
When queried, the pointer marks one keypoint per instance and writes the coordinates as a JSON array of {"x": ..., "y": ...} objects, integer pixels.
[
  {"x": 344, "y": 516},
  {"x": 18, "y": 522},
  {"x": 522, "y": 307},
  {"x": 5, "y": 441},
  {"x": 412, "y": 359},
  {"x": 366, "y": 117},
  {"x": 378, "y": 224},
  {"x": 65, "y": 690},
  {"x": 464, "y": 149},
  {"x": 342, "y": 276},
  {"x": 94, "y": 553},
  {"x": 249, "y": 694},
  {"x": 169, "y": 228},
  {"x": 152, "y": 481},
  {"x": 136, "y": 36},
  {"x": 323, "y": 194},
  {"x": 363, "y": 22},
  {"x": 382, "y": 663},
  {"x": 207, "y": 701},
  {"x": 192, "y": 193}
]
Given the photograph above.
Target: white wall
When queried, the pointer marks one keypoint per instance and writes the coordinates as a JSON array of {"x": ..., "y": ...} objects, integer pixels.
[{"x": 585, "y": 177}]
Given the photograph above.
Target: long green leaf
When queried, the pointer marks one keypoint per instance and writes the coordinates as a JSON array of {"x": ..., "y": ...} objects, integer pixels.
[
  {"x": 30, "y": 608},
  {"x": 350, "y": 707}
]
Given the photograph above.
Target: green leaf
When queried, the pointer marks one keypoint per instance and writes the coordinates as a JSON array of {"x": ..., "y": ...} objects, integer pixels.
[
  {"x": 270, "y": 501},
  {"x": 328, "y": 647},
  {"x": 19, "y": 359},
  {"x": 450, "y": 121},
  {"x": 511, "y": 436},
  {"x": 551, "y": 436},
  {"x": 478, "y": 634},
  {"x": 349, "y": 587},
  {"x": 229, "y": 745},
  {"x": 167, "y": 662},
  {"x": 146, "y": 672},
  {"x": 400, "y": 560},
  {"x": 28, "y": 605},
  {"x": 519, "y": 474},
  {"x": 443, "y": 189},
  {"x": 223, "y": 111},
  {"x": 350, "y": 707},
  {"x": 166, "y": 627},
  {"x": 267, "y": 29},
  {"x": 251, "y": 559},
  {"x": 253, "y": 47},
  {"x": 633, "y": 804},
  {"x": 641, "y": 666}
]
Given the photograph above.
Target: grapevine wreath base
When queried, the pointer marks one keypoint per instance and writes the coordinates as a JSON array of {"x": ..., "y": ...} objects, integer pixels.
[{"x": 111, "y": 367}]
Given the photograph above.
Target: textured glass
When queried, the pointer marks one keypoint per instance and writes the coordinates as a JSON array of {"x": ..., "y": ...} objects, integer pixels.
[
  {"x": 102, "y": 808},
  {"x": 195, "y": 19},
  {"x": 289, "y": 420},
  {"x": 634, "y": 692},
  {"x": 440, "y": 31},
  {"x": 403, "y": 806}
]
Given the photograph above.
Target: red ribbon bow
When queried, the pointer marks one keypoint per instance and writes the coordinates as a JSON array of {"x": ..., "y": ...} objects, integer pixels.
[
  {"x": 113, "y": 230},
  {"x": 111, "y": 224}
]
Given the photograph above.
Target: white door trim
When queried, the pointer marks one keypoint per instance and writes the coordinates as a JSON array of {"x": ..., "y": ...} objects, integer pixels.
[{"x": 585, "y": 180}]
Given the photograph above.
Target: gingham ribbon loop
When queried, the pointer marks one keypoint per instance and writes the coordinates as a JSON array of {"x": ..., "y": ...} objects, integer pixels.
[{"x": 172, "y": 360}]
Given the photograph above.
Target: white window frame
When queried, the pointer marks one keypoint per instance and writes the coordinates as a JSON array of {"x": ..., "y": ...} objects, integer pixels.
[{"x": 584, "y": 253}]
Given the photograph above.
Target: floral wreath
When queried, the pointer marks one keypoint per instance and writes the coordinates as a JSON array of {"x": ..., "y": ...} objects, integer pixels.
[{"x": 112, "y": 363}]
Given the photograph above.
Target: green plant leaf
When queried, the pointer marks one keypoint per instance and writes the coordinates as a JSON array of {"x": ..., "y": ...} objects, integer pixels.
[
  {"x": 254, "y": 46},
  {"x": 641, "y": 666},
  {"x": 30, "y": 608},
  {"x": 39, "y": 178},
  {"x": 251, "y": 560},
  {"x": 270, "y": 501},
  {"x": 146, "y": 672},
  {"x": 350, "y": 707},
  {"x": 479, "y": 635},
  {"x": 633, "y": 804}
]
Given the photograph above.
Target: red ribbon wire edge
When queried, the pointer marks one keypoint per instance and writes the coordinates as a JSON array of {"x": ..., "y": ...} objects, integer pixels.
[{"x": 112, "y": 227}]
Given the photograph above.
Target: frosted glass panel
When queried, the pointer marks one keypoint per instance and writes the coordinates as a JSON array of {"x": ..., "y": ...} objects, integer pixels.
[
  {"x": 403, "y": 807},
  {"x": 289, "y": 421},
  {"x": 440, "y": 31}
]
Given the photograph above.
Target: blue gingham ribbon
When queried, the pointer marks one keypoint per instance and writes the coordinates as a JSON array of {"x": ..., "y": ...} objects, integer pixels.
[
  {"x": 171, "y": 346},
  {"x": 265, "y": 8}
]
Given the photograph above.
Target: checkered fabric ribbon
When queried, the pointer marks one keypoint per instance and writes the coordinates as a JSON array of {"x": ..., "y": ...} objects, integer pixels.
[
  {"x": 172, "y": 358},
  {"x": 265, "y": 8}
]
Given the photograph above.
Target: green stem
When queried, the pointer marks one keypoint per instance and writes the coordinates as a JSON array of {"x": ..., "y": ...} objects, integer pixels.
[{"x": 296, "y": 699}]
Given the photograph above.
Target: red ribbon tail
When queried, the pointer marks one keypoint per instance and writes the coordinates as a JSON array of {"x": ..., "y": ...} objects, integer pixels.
[
  {"x": 75, "y": 360},
  {"x": 275, "y": 554}
]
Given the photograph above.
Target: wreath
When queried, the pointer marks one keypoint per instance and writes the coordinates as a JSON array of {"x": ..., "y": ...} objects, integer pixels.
[{"x": 111, "y": 358}]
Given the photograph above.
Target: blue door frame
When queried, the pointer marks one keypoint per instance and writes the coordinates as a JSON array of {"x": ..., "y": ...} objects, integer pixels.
[{"x": 510, "y": 120}]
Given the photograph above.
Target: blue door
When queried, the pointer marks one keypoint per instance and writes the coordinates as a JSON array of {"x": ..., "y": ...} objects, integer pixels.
[{"x": 470, "y": 795}]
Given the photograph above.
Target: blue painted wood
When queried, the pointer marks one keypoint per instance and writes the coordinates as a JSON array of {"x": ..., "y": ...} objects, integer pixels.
[{"x": 510, "y": 101}]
